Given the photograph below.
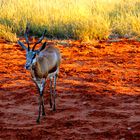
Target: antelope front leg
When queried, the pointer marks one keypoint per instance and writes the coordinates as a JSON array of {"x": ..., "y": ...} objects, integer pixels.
[
  {"x": 39, "y": 112},
  {"x": 43, "y": 108},
  {"x": 41, "y": 85},
  {"x": 42, "y": 99},
  {"x": 41, "y": 104}
]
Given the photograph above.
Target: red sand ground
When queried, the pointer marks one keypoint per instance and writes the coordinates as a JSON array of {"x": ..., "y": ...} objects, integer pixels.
[{"x": 98, "y": 94}]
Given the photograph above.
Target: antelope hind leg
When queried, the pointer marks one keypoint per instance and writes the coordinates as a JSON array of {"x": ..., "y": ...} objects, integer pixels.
[
  {"x": 54, "y": 93},
  {"x": 50, "y": 96}
]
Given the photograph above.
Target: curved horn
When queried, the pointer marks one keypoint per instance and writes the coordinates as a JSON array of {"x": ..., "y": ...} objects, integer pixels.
[
  {"x": 26, "y": 36},
  {"x": 22, "y": 45},
  {"x": 40, "y": 39}
]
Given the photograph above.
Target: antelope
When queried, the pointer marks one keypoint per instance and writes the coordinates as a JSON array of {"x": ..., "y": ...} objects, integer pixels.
[{"x": 43, "y": 64}]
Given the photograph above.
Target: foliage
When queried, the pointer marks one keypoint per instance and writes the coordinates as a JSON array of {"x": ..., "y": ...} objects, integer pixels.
[{"x": 78, "y": 19}]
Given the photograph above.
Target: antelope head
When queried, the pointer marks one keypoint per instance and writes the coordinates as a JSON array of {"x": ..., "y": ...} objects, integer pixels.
[{"x": 31, "y": 53}]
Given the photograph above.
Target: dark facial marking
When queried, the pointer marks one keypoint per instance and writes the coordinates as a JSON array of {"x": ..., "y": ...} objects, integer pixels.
[{"x": 30, "y": 55}]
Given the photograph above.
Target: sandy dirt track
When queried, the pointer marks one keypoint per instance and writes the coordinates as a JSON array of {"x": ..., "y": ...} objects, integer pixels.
[{"x": 98, "y": 93}]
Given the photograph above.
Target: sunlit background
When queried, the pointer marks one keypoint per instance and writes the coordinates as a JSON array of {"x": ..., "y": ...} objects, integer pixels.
[{"x": 78, "y": 19}]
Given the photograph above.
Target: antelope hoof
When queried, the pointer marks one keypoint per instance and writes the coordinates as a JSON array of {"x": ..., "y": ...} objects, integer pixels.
[
  {"x": 38, "y": 120},
  {"x": 43, "y": 114}
]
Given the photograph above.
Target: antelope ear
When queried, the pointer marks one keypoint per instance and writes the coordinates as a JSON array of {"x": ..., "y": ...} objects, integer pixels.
[
  {"x": 22, "y": 45},
  {"x": 42, "y": 47}
]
